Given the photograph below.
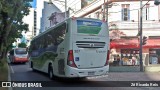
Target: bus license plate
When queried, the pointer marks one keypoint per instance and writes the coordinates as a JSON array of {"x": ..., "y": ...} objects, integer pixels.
[{"x": 91, "y": 73}]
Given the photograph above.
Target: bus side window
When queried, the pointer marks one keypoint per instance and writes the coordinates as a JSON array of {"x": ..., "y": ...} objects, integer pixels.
[{"x": 66, "y": 27}]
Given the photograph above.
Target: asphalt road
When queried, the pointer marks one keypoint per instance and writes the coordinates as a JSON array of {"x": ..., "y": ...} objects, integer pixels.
[{"x": 22, "y": 72}]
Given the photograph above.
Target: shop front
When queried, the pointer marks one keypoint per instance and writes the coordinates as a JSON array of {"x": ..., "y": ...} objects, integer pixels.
[{"x": 125, "y": 52}]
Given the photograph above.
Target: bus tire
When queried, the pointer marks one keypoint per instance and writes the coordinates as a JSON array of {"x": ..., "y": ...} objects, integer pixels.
[
  {"x": 50, "y": 72},
  {"x": 32, "y": 66}
]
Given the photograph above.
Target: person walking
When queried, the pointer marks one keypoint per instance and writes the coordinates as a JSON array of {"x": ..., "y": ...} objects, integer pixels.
[
  {"x": 134, "y": 60},
  {"x": 118, "y": 60}
]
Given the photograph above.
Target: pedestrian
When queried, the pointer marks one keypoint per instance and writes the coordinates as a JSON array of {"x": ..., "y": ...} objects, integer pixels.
[
  {"x": 118, "y": 59},
  {"x": 134, "y": 60}
]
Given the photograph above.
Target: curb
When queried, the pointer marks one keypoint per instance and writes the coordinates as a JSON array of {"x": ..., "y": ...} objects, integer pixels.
[
  {"x": 124, "y": 69},
  {"x": 134, "y": 68},
  {"x": 9, "y": 75}
]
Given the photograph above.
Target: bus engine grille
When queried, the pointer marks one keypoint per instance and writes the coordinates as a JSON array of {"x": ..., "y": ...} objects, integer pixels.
[{"x": 90, "y": 44}]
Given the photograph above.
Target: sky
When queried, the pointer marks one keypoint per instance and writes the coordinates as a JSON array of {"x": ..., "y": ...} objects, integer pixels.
[{"x": 34, "y": 4}]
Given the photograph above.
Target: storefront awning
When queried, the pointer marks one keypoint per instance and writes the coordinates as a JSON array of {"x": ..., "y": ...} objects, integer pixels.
[{"x": 134, "y": 43}]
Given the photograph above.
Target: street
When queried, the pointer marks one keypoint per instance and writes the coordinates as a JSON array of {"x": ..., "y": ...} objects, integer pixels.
[{"x": 22, "y": 72}]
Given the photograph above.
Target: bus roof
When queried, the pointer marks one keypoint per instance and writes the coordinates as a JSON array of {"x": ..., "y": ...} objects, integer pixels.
[{"x": 49, "y": 29}]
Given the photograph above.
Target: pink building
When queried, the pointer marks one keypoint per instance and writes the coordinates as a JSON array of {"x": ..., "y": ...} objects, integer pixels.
[{"x": 56, "y": 18}]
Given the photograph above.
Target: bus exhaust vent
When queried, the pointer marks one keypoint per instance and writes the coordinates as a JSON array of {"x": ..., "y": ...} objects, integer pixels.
[{"x": 90, "y": 44}]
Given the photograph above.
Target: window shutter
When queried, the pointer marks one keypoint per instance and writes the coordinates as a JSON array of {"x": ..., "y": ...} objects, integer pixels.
[
  {"x": 128, "y": 15},
  {"x": 122, "y": 14}
]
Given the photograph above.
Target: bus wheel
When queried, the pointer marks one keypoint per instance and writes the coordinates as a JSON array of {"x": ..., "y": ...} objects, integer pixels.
[
  {"x": 32, "y": 66},
  {"x": 50, "y": 72}
]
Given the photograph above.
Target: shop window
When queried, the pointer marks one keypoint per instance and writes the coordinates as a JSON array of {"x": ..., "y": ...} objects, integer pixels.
[
  {"x": 154, "y": 56},
  {"x": 129, "y": 57}
]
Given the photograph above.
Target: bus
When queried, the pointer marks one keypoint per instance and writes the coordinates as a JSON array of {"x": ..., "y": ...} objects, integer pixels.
[
  {"x": 18, "y": 55},
  {"x": 76, "y": 47}
]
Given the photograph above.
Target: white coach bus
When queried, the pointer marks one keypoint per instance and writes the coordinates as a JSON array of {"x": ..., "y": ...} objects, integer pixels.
[{"x": 77, "y": 47}]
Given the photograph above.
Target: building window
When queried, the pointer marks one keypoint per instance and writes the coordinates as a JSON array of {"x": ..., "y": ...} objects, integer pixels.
[
  {"x": 125, "y": 12},
  {"x": 154, "y": 56},
  {"x": 145, "y": 12}
]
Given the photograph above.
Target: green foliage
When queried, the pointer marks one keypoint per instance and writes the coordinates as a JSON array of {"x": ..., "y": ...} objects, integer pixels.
[
  {"x": 22, "y": 45},
  {"x": 11, "y": 24}
]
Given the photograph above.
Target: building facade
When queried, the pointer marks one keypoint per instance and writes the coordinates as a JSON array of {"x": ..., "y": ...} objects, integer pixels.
[
  {"x": 56, "y": 18},
  {"x": 46, "y": 12},
  {"x": 123, "y": 17}
]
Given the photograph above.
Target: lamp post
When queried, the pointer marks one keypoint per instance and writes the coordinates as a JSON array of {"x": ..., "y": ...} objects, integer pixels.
[
  {"x": 140, "y": 31},
  {"x": 107, "y": 11},
  {"x": 65, "y": 9}
]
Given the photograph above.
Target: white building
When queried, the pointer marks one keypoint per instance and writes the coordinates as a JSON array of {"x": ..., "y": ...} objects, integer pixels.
[{"x": 46, "y": 12}]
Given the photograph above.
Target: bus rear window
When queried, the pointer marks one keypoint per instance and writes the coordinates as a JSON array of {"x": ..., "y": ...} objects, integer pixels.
[
  {"x": 20, "y": 51},
  {"x": 88, "y": 27}
]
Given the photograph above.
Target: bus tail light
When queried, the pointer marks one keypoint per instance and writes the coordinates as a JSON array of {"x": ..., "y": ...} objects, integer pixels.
[
  {"x": 70, "y": 59},
  {"x": 107, "y": 59}
]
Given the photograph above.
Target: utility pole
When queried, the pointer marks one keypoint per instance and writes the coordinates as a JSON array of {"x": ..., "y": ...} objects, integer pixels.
[
  {"x": 140, "y": 53},
  {"x": 104, "y": 5},
  {"x": 107, "y": 12},
  {"x": 65, "y": 9}
]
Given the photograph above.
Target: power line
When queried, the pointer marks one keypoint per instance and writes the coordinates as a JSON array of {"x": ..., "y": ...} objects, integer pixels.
[
  {"x": 72, "y": 5},
  {"x": 73, "y": 2}
]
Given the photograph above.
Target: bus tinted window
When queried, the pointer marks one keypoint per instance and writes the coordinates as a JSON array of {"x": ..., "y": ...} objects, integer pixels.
[
  {"x": 88, "y": 27},
  {"x": 48, "y": 41},
  {"x": 20, "y": 51},
  {"x": 56, "y": 36}
]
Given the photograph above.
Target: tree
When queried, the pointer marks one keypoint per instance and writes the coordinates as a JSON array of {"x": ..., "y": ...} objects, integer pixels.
[
  {"x": 11, "y": 24},
  {"x": 22, "y": 45},
  {"x": 115, "y": 33}
]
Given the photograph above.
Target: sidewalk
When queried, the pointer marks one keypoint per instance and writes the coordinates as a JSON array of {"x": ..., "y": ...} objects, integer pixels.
[
  {"x": 133, "y": 76},
  {"x": 151, "y": 68}
]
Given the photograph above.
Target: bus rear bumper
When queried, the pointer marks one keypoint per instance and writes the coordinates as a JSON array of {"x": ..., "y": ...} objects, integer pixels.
[
  {"x": 75, "y": 72},
  {"x": 20, "y": 60}
]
